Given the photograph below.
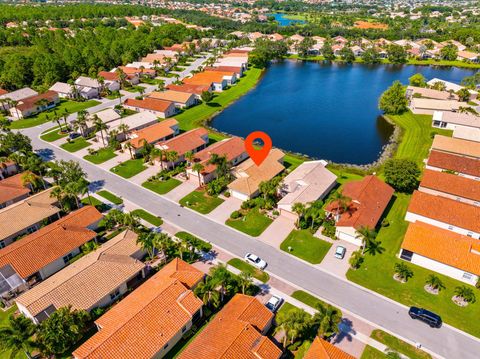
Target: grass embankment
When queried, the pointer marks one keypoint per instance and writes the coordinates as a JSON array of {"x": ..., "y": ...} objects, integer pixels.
[
  {"x": 110, "y": 197},
  {"x": 147, "y": 216},
  {"x": 200, "y": 201},
  {"x": 69, "y": 105},
  {"x": 377, "y": 271},
  {"x": 196, "y": 116},
  {"x": 399, "y": 345},
  {"x": 129, "y": 168},
  {"x": 162, "y": 187},
  {"x": 305, "y": 246},
  {"x": 252, "y": 223},
  {"x": 248, "y": 268},
  {"x": 102, "y": 155}
]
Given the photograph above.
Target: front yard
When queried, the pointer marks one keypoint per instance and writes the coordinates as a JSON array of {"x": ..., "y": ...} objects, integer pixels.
[
  {"x": 248, "y": 268},
  {"x": 147, "y": 216},
  {"x": 129, "y": 168},
  {"x": 302, "y": 244},
  {"x": 252, "y": 222},
  {"x": 110, "y": 197},
  {"x": 69, "y": 105},
  {"x": 399, "y": 345},
  {"x": 161, "y": 187},
  {"x": 75, "y": 145},
  {"x": 377, "y": 271},
  {"x": 53, "y": 135},
  {"x": 101, "y": 155},
  {"x": 200, "y": 201}
]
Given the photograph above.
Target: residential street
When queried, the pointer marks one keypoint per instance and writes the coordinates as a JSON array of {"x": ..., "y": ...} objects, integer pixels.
[{"x": 446, "y": 341}]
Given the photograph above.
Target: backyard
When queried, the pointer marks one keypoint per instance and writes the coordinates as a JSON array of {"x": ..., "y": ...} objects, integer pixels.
[
  {"x": 101, "y": 155},
  {"x": 161, "y": 187},
  {"x": 248, "y": 268},
  {"x": 129, "y": 168},
  {"x": 302, "y": 244},
  {"x": 252, "y": 222},
  {"x": 200, "y": 201}
]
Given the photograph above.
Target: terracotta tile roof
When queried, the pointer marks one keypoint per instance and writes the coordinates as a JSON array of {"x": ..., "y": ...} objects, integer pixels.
[
  {"x": 31, "y": 102},
  {"x": 451, "y": 184},
  {"x": 446, "y": 210},
  {"x": 249, "y": 175},
  {"x": 141, "y": 324},
  {"x": 228, "y": 69},
  {"x": 204, "y": 78},
  {"x": 370, "y": 196},
  {"x": 460, "y": 164},
  {"x": 33, "y": 252},
  {"x": 171, "y": 95},
  {"x": 321, "y": 349},
  {"x": 184, "y": 272},
  {"x": 109, "y": 76},
  {"x": 98, "y": 274},
  {"x": 136, "y": 71},
  {"x": 221, "y": 72},
  {"x": 235, "y": 332},
  {"x": 153, "y": 133},
  {"x": 149, "y": 104},
  {"x": 3, "y": 92},
  {"x": 26, "y": 213},
  {"x": 187, "y": 141},
  {"x": 231, "y": 148},
  {"x": 195, "y": 89},
  {"x": 443, "y": 246},
  {"x": 456, "y": 146},
  {"x": 12, "y": 188}
]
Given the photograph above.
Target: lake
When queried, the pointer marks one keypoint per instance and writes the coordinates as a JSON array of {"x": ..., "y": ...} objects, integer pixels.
[
  {"x": 326, "y": 111},
  {"x": 283, "y": 21}
]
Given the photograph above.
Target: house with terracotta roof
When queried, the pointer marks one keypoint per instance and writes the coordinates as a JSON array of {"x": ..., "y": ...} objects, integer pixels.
[
  {"x": 307, "y": 183},
  {"x": 95, "y": 280},
  {"x": 451, "y": 186},
  {"x": 32, "y": 105},
  {"x": 196, "y": 90},
  {"x": 46, "y": 251},
  {"x": 462, "y": 166},
  {"x": 444, "y": 213},
  {"x": 443, "y": 251},
  {"x": 160, "y": 108},
  {"x": 248, "y": 175},
  {"x": 18, "y": 95},
  {"x": 12, "y": 190},
  {"x": 468, "y": 56},
  {"x": 112, "y": 78},
  {"x": 179, "y": 98},
  {"x": 456, "y": 146},
  {"x": 138, "y": 71},
  {"x": 321, "y": 349},
  {"x": 134, "y": 122},
  {"x": 238, "y": 70},
  {"x": 229, "y": 75},
  {"x": 216, "y": 80},
  {"x": 27, "y": 215},
  {"x": 158, "y": 132},
  {"x": 132, "y": 329},
  {"x": 369, "y": 198},
  {"x": 191, "y": 141},
  {"x": 7, "y": 168},
  {"x": 232, "y": 148},
  {"x": 237, "y": 331}
]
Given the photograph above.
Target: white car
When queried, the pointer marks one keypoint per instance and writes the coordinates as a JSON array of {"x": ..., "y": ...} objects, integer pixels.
[
  {"x": 274, "y": 303},
  {"x": 255, "y": 260},
  {"x": 340, "y": 252}
]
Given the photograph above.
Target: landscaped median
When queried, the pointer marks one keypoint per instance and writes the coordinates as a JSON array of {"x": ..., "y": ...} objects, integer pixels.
[
  {"x": 102, "y": 155},
  {"x": 251, "y": 222},
  {"x": 161, "y": 187},
  {"x": 302, "y": 244},
  {"x": 200, "y": 201},
  {"x": 147, "y": 216},
  {"x": 248, "y": 268},
  {"x": 399, "y": 345},
  {"x": 110, "y": 197},
  {"x": 129, "y": 168}
]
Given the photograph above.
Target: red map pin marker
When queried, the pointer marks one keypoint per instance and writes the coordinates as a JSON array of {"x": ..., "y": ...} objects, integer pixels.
[{"x": 258, "y": 155}]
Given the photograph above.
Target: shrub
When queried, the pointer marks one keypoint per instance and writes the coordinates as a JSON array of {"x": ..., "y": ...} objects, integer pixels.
[
  {"x": 356, "y": 260},
  {"x": 226, "y": 194},
  {"x": 403, "y": 271},
  {"x": 276, "y": 213},
  {"x": 215, "y": 187},
  {"x": 235, "y": 215}
]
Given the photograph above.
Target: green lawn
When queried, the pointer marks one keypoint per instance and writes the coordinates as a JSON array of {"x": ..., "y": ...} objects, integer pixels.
[
  {"x": 417, "y": 136},
  {"x": 310, "y": 300},
  {"x": 204, "y": 246},
  {"x": 253, "y": 223},
  {"x": 102, "y": 155},
  {"x": 196, "y": 116},
  {"x": 305, "y": 246},
  {"x": 4, "y": 317},
  {"x": 201, "y": 202},
  {"x": 412, "y": 292},
  {"x": 248, "y": 268},
  {"x": 162, "y": 187},
  {"x": 399, "y": 345},
  {"x": 75, "y": 145},
  {"x": 110, "y": 197},
  {"x": 53, "y": 135},
  {"x": 129, "y": 168},
  {"x": 147, "y": 216},
  {"x": 92, "y": 201},
  {"x": 69, "y": 105},
  {"x": 372, "y": 353}
]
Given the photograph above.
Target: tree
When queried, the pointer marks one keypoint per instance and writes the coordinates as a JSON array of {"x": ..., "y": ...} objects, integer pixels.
[
  {"x": 403, "y": 271},
  {"x": 206, "y": 291},
  {"x": 245, "y": 280},
  {"x": 62, "y": 330},
  {"x": 418, "y": 80},
  {"x": 396, "y": 54},
  {"x": 16, "y": 337},
  {"x": 172, "y": 157},
  {"x": 465, "y": 293},
  {"x": 198, "y": 167},
  {"x": 304, "y": 46},
  {"x": 434, "y": 282},
  {"x": 393, "y": 101},
  {"x": 81, "y": 121},
  {"x": 371, "y": 56},
  {"x": 439, "y": 86},
  {"x": 128, "y": 145},
  {"x": 449, "y": 52},
  {"x": 294, "y": 323},
  {"x": 356, "y": 260},
  {"x": 326, "y": 319},
  {"x": 148, "y": 242},
  {"x": 367, "y": 236},
  {"x": 343, "y": 202},
  {"x": 100, "y": 126},
  {"x": 299, "y": 209},
  {"x": 463, "y": 94},
  {"x": 123, "y": 128},
  {"x": 327, "y": 52},
  {"x": 222, "y": 278},
  {"x": 402, "y": 174},
  {"x": 347, "y": 54},
  {"x": 4, "y": 123},
  {"x": 32, "y": 180},
  {"x": 206, "y": 96}
]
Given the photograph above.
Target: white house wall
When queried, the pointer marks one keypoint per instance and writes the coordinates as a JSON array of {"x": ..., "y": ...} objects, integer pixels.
[
  {"x": 444, "y": 169},
  {"x": 56, "y": 265},
  {"x": 448, "y": 195},
  {"x": 412, "y": 217},
  {"x": 348, "y": 234}
]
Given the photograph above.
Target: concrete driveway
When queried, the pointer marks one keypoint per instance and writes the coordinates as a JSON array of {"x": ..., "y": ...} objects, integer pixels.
[
  {"x": 222, "y": 212},
  {"x": 181, "y": 191},
  {"x": 276, "y": 233},
  {"x": 338, "y": 267}
]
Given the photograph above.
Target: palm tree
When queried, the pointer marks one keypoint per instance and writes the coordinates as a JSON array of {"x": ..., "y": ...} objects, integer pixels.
[
  {"x": 56, "y": 119},
  {"x": 81, "y": 121},
  {"x": 148, "y": 241},
  {"x": 434, "y": 282},
  {"x": 465, "y": 293},
  {"x": 100, "y": 126},
  {"x": 172, "y": 156},
  {"x": 123, "y": 128},
  {"x": 221, "y": 277},
  {"x": 327, "y": 318},
  {"x": 65, "y": 117},
  {"x": 14, "y": 103},
  {"x": 403, "y": 271},
  {"x": 131, "y": 221},
  {"x": 128, "y": 145},
  {"x": 206, "y": 291},
  {"x": 198, "y": 167},
  {"x": 245, "y": 280},
  {"x": 16, "y": 336},
  {"x": 299, "y": 209},
  {"x": 121, "y": 76},
  {"x": 367, "y": 236},
  {"x": 294, "y": 323},
  {"x": 342, "y": 202},
  {"x": 31, "y": 180}
]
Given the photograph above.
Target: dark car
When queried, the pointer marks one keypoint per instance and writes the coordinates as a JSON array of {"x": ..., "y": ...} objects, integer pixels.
[
  {"x": 73, "y": 135},
  {"x": 426, "y": 316}
]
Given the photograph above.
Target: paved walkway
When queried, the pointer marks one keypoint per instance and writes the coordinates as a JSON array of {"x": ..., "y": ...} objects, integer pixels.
[
  {"x": 338, "y": 267},
  {"x": 144, "y": 175},
  {"x": 223, "y": 211},
  {"x": 276, "y": 233}
]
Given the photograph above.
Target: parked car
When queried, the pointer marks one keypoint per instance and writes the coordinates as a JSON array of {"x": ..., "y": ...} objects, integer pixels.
[
  {"x": 340, "y": 252},
  {"x": 274, "y": 303},
  {"x": 425, "y": 316},
  {"x": 255, "y": 260},
  {"x": 73, "y": 135}
]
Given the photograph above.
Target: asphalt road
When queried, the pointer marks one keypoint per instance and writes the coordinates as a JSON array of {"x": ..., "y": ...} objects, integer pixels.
[{"x": 392, "y": 316}]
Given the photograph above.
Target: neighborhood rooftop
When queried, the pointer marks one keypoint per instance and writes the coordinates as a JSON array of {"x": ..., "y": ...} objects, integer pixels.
[
  {"x": 187, "y": 141},
  {"x": 456, "y": 146},
  {"x": 230, "y": 148},
  {"x": 451, "y": 162},
  {"x": 457, "y": 118},
  {"x": 12, "y": 188},
  {"x": 451, "y": 184},
  {"x": 153, "y": 133},
  {"x": 321, "y": 349}
]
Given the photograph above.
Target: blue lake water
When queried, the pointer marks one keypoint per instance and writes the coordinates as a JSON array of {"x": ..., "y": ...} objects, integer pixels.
[
  {"x": 326, "y": 111},
  {"x": 282, "y": 21}
]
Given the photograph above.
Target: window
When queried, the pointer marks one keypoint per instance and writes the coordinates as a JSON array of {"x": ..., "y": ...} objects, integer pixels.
[
  {"x": 67, "y": 258},
  {"x": 470, "y": 234},
  {"x": 2, "y": 244},
  {"x": 467, "y": 275},
  {"x": 450, "y": 228},
  {"x": 115, "y": 294},
  {"x": 166, "y": 346},
  {"x": 406, "y": 255}
]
